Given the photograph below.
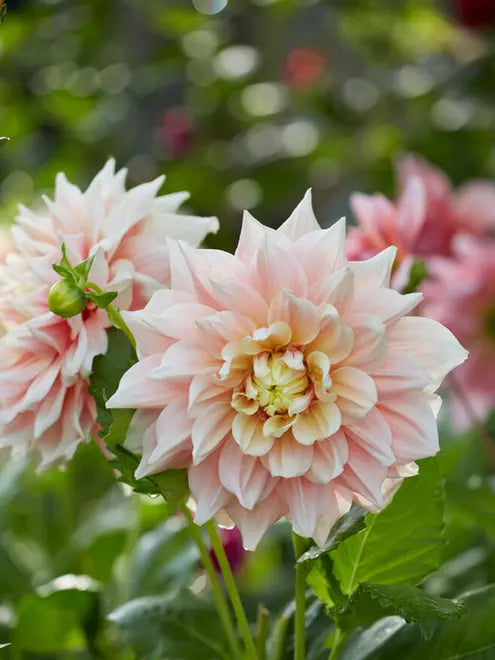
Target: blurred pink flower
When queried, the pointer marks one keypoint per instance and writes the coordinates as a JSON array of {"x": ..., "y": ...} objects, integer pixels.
[
  {"x": 303, "y": 68},
  {"x": 288, "y": 380},
  {"x": 425, "y": 219},
  {"x": 461, "y": 295},
  {"x": 46, "y": 360},
  {"x": 176, "y": 131}
]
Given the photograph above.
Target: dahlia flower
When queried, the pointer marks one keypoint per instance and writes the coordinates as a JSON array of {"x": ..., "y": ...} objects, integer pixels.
[
  {"x": 425, "y": 219},
  {"x": 468, "y": 309},
  {"x": 46, "y": 360},
  {"x": 287, "y": 380}
]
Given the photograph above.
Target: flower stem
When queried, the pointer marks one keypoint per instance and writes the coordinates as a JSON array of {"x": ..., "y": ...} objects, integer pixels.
[
  {"x": 279, "y": 633},
  {"x": 300, "y": 595},
  {"x": 339, "y": 641},
  {"x": 114, "y": 315},
  {"x": 262, "y": 631},
  {"x": 216, "y": 588},
  {"x": 231, "y": 587}
]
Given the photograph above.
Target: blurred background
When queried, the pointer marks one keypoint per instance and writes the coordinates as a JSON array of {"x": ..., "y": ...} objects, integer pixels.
[{"x": 246, "y": 104}]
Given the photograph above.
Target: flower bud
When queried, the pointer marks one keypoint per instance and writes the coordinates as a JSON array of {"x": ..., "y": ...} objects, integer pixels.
[{"x": 66, "y": 299}]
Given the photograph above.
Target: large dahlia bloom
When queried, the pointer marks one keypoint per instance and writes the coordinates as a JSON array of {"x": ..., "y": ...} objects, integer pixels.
[
  {"x": 287, "y": 380},
  {"x": 46, "y": 360},
  {"x": 425, "y": 219},
  {"x": 461, "y": 295}
]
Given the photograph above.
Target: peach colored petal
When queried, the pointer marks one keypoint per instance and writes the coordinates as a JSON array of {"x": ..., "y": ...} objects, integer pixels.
[
  {"x": 318, "y": 422},
  {"x": 356, "y": 393},
  {"x": 248, "y": 433}
]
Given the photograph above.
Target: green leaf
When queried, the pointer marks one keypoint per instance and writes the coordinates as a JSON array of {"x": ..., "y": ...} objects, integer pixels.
[
  {"x": 403, "y": 543},
  {"x": 81, "y": 271},
  {"x": 374, "y": 601},
  {"x": 323, "y": 582},
  {"x": 163, "y": 559},
  {"x": 62, "y": 620},
  {"x": 350, "y": 524},
  {"x": 175, "y": 625},
  {"x": 108, "y": 369},
  {"x": 417, "y": 274},
  {"x": 471, "y": 636},
  {"x": 102, "y": 300}
]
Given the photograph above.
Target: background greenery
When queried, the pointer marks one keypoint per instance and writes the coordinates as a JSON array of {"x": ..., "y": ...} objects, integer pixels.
[{"x": 245, "y": 108}]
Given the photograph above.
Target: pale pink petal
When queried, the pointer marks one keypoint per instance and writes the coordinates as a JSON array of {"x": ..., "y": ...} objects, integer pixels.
[
  {"x": 356, "y": 393},
  {"x": 136, "y": 388},
  {"x": 370, "y": 344},
  {"x": 335, "y": 288},
  {"x": 302, "y": 220},
  {"x": 254, "y": 523},
  {"x": 413, "y": 426},
  {"x": 318, "y": 422},
  {"x": 411, "y": 209},
  {"x": 210, "y": 428},
  {"x": 299, "y": 314},
  {"x": 184, "y": 360},
  {"x": 329, "y": 458},
  {"x": 373, "y": 434},
  {"x": 275, "y": 269},
  {"x": 335, "y": 339},
  {"x": 386, "y": 304},
  {"x": 241, "y": 299},
  {"x": 288, "y": 458},
  {"x": 207, "y": 489},
  {"x": 374, "y": 272},
  {"x": 322, "y": 252},
  {"x": 243, "y": 475},
  {"x": 248, "y": 433},
  {"x": 399, "y": 372},
  {"x": 429, "y": 342}
]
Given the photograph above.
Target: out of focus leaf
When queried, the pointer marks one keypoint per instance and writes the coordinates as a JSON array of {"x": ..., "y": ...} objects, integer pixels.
[
  {"x": 403, "y": 543},
  {"x": 175, "y": 625},
  {"x": 63, "y": 620},
  {"x": 163, "y": 558},
  {"x": 470, "y": 636}
]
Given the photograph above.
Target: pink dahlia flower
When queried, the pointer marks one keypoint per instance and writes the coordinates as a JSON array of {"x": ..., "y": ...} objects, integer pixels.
[
  {"x": 287, "y": 380},
  {"x": 425, "y": 219},
  {"x": 46, "y": 360},
  {"x": 461, "y": 295}
]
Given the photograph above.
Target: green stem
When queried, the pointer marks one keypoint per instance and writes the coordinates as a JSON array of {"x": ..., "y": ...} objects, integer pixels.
[
  {"x": 114, "y": 315},
  {"x": 300, "y": 596},
  {"x": 262, "y": 631},
  {"x": 340, "y": 639},
  {"x": 277, "y": 650},
  {"x": 231, "y": 587},
  {"x": 216, "y": 588}
]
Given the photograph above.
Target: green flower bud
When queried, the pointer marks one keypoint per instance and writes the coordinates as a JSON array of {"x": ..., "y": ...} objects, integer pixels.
[{"x": 66, "y": 299}]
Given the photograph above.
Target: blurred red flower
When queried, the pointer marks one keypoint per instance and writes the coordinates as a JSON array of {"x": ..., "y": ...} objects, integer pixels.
[
  {"x": 232, "y": 544},
  {"x": 303, "y": 68},
  {"x": 476, "y": 13}
]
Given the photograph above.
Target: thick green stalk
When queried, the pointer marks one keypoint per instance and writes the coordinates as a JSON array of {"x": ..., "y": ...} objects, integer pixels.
[
  {"x": 216, "y": 588},
  {"x": 231, "y": 587},
  {"x": 300, "y": 597}
]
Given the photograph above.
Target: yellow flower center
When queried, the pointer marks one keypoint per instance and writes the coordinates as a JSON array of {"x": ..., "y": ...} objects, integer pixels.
[{"x": 274, "y": 384}]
